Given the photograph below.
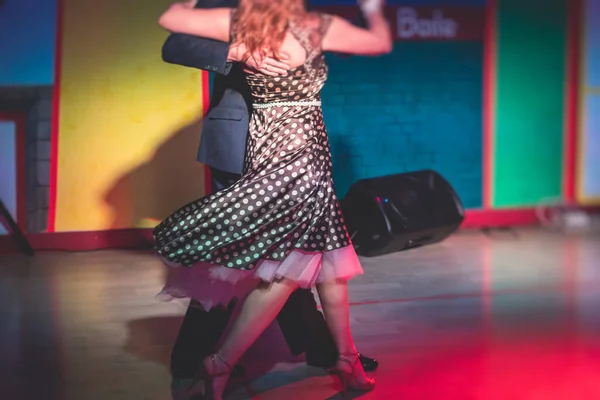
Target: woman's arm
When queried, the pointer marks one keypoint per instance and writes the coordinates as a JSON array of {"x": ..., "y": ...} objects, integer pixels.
[
  {"x": 200, "y": 44},
  {"x": 376, "y": 39},
  {"x": 209, "y": 23}
]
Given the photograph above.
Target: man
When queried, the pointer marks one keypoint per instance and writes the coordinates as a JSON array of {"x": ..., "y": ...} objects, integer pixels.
[{"x": 222, "y": 148}]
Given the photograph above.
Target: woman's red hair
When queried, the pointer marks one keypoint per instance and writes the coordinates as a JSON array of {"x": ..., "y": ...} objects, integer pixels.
[{"x": 261, "y": 25}]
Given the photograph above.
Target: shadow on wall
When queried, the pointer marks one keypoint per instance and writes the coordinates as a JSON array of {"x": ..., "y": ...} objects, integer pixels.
[
  {"x": 172, "y": 178},
  {"x": 153, "y": 190}
]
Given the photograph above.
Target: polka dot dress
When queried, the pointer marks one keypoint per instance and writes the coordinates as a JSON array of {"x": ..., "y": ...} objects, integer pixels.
[{"x": 284, "y": 207}]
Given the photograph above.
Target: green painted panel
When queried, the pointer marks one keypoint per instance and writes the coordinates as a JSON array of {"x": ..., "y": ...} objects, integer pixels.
[{"x": 529, "y": 102}]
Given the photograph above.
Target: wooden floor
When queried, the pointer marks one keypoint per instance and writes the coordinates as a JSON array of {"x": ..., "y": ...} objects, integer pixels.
[{"x": 505, "y": 316}]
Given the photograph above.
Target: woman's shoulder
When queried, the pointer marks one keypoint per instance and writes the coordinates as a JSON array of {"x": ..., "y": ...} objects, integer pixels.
[
  {"x": 317, "y": 17},
  {"x": 313, "y": 20}
]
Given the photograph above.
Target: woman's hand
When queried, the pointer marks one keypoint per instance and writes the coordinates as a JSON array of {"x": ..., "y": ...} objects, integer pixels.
[
  {"x": 258, "y": 62},
  {"x": 267, "y": 65},
  {"x": 370, "y": 6},
  {"x": 346, "y": 38}
]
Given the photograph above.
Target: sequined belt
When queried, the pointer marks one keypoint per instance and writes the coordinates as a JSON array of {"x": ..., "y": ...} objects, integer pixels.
[{"x": 287, "y": 104}]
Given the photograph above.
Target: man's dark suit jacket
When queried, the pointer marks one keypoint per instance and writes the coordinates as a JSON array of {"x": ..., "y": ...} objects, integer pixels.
[{"x": 225, "y": 128}]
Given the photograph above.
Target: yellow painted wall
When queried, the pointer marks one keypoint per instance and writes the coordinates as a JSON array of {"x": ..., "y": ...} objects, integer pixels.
[{"x": 127, "y": 136}]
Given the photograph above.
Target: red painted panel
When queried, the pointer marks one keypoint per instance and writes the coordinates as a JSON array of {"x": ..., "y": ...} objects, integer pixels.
[
  {"x": 205, "y": 104},
  {"x": 55, "y": 120},
  {"x": 571, "y": 98},
  {"x": 489, "y": 97}
]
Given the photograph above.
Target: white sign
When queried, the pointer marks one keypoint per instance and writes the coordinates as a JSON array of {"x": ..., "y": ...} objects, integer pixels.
[{"x": 411, "y": 26}]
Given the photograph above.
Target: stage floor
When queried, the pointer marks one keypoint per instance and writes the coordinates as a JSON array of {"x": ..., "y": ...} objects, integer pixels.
[{"x": 506, "y": 316}]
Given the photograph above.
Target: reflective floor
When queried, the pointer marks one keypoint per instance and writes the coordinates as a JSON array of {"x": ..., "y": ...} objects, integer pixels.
[{"x": 510, "y": 315}]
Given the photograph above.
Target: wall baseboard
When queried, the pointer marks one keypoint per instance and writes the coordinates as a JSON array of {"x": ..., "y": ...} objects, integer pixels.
[{"x": 499, "y": 218}]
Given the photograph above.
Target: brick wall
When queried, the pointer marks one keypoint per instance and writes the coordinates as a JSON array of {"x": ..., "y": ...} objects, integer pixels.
[
  {"x": 38, "y": 131},
  {"x": 418, "y": 107}
]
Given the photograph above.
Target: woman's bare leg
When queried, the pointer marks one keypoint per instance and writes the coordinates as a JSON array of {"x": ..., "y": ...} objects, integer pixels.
[
  {"x": 258, "y": 310},
  {"x": 334, "y": 299}
]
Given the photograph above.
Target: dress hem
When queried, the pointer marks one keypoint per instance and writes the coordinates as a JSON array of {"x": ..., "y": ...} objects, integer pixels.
[{"x": 215, "y": 285}]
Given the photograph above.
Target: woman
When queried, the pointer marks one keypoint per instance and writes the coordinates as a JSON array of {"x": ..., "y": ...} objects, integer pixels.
[{"x": 280, "y": 226}]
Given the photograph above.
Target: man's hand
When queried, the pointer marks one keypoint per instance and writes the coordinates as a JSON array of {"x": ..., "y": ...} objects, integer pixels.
[{"x": 258, "y": 62}]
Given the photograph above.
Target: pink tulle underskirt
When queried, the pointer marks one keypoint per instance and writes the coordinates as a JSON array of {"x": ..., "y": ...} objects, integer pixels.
[{"x": 213, "y": 285}]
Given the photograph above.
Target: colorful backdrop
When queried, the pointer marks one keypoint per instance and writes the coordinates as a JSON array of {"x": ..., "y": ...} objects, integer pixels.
[
  {"x": 478, "y": 105},
  {"x": 126, "y": 151},
  {"x": 419, "y": 107}
]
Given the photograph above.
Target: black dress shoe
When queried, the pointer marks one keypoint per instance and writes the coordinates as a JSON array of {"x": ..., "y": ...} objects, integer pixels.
[
  {"x": 368, "y": 364},
  {"x": 237, "y": 371},
  {"x": 180, "y": 386}
]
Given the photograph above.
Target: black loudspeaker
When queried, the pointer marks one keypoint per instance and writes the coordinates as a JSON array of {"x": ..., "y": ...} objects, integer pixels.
[{"x": 401, "y": 212}]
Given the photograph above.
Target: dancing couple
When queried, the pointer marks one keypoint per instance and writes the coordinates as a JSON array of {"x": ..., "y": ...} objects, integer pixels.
[{"x": 279, "y": 227}]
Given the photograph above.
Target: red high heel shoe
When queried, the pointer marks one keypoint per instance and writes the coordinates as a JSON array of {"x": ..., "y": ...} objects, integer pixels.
[{"x": 350, "y": 376}]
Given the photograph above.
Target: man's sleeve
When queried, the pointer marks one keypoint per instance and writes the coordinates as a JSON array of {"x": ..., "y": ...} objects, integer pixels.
[{"x": 196, "y": 52}]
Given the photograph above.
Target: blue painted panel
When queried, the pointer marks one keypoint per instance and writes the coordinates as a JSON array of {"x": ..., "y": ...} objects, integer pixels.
[{"x": 27, "y": 42}]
